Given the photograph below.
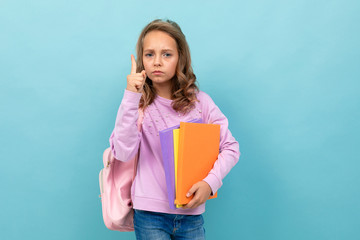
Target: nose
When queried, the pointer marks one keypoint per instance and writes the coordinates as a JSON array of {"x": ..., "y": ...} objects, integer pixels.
[{"x": 157, "y": 60}]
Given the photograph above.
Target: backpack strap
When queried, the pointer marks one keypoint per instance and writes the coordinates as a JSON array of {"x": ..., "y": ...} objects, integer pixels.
[
  {"x": 140, "y": 119},
  {"x": 139, "y": 125}
]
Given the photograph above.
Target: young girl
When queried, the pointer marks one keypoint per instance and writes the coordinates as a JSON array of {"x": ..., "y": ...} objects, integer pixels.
[{"x": 163, "y": 86}]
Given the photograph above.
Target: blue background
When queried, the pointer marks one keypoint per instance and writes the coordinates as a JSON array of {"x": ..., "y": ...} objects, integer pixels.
[{"x": 285, "y": 73}]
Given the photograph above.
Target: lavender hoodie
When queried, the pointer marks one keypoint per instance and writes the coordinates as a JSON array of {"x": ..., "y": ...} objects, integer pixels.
[{"x": 149, "y": 187}]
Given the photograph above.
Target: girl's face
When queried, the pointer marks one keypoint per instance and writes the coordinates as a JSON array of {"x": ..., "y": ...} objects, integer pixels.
[{"x": 160, "y": 57}]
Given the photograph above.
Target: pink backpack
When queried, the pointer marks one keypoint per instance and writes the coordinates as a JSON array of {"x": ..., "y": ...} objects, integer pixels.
[{"x": 115, "y": 190}]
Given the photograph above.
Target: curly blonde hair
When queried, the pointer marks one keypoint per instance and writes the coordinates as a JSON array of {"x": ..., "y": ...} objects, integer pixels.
[{"x": 184, "y": 86}]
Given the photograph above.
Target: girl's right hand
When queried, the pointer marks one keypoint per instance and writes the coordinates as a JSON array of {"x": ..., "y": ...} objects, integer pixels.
[{"x": 135, "y": 81}]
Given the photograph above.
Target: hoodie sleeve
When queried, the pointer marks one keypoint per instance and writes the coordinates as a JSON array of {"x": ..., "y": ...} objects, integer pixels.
[
  {"x": 125, "y": 138},
  {"x": 229, "y": 152}
]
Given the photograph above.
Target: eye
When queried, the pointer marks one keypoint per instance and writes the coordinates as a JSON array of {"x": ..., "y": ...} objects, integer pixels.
[
  {"x": 148, "y": 54},
  {"x": 167, "y": 54}
]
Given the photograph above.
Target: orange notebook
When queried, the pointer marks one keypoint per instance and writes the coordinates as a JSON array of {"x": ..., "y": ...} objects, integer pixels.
[{"x": 199, "y": 145}]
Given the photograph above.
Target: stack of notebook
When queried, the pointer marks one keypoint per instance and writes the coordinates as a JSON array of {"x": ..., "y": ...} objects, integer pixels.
[{"x": 189, "y": 151}]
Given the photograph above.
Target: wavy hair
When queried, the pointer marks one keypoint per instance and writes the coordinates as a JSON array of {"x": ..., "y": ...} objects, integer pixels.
[{"x": 184, "y": 86}]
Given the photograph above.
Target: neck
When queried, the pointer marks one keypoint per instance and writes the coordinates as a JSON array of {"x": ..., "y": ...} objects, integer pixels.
[{"x": 163, "y": 90}]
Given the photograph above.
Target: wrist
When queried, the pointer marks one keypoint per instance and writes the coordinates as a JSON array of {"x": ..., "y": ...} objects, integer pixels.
[
  {"x": 130, "y": 88},
  {"x": 209, "y": 187}
]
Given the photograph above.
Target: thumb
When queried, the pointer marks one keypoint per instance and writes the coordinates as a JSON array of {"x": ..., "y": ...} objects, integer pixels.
[
  {"x": 192, "y": 190},
  {"x": 144, "y": 74}
]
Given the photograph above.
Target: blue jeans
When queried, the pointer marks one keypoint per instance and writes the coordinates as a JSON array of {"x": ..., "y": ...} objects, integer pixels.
[{"x": 153, "y": 225}]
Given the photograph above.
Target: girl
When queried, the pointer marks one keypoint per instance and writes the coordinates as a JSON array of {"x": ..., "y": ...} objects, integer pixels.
[{"x": 163, "y": 86}]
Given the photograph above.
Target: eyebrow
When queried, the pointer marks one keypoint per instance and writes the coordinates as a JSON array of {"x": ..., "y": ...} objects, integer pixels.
[{"x": 163, "y": 50}]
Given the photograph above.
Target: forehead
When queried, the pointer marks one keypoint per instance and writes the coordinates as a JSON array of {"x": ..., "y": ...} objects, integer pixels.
[{"x": 159, "y": 40}]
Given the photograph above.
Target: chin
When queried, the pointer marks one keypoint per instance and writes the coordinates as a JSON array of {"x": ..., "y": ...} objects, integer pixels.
[{"x": 159, "y": 79}]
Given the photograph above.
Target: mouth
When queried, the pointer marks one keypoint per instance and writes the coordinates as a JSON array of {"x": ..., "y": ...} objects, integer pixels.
[{"x": 157, "y": 72}]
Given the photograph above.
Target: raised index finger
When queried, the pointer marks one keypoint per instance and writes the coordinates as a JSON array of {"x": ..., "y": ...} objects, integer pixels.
[{"x": 133, "y": 64}]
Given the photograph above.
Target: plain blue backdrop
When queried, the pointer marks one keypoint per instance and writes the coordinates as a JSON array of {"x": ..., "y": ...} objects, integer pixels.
[{"x": 285, "y": 73}]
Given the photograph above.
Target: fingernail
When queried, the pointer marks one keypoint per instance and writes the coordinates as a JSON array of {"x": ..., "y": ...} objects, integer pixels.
[{"x": 188, "y": 195}]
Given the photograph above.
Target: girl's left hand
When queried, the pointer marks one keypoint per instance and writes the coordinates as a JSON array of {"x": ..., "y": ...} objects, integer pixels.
[{"x": 202, "y": 192}]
